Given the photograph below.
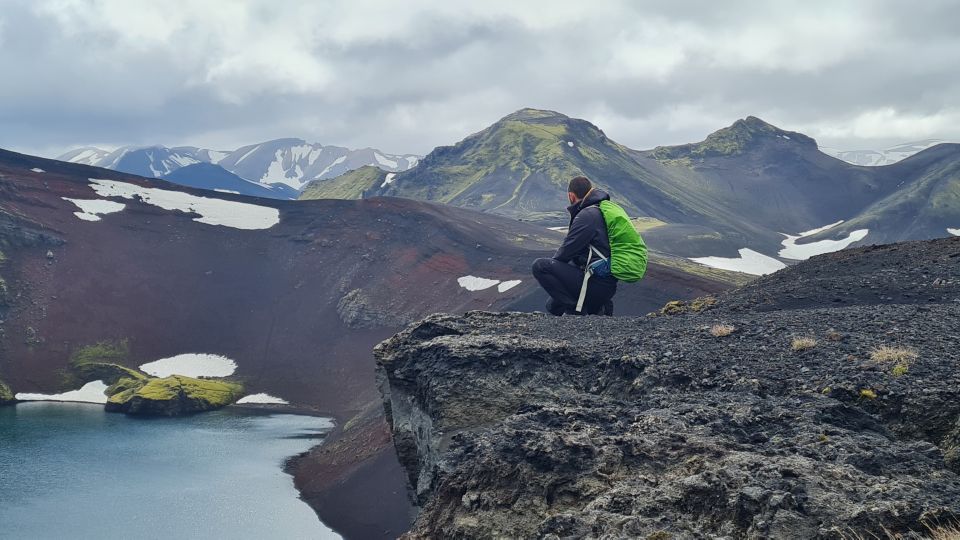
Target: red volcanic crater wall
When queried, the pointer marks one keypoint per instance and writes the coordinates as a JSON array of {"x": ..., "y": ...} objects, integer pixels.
[{"x": 265, "y": 298}]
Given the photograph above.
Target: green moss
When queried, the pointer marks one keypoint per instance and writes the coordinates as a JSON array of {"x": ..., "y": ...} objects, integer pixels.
[
  {"x": 728, "y": 141},
  {"x": 125, "y": 384},
  {"x": 644, "y": 224},
  {"x": 103, "y": 351},
  {"x": 867, "y": 393},
  {"x": 6, "y": 395},
  {"x": 349, "y": 185},
  {"x": 676, "y": 307},
  {"x": 172, "y": 395},
  {"x": 100, "y": 362},
  {"x": 900, "y": 369}
]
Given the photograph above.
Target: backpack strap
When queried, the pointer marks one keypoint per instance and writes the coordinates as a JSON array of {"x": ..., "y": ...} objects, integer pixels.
[
  {"x": 597, "y": 251},
  {"x": 586, "y": 276}
]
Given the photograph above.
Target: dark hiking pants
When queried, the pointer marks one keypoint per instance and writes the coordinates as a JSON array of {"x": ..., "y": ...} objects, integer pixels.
[{"x": 562, "y": 282}]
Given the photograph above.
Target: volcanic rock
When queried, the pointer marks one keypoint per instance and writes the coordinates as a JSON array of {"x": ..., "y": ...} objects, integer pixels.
[{"x": 525, "y": 425}]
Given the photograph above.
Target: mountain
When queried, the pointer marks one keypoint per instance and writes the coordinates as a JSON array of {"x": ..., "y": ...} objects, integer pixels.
[
  {"x": 770, "y": 413},
  {"x": 355, "y": 184},
  {"x": 291, "y": 162},
  {"x": 150, "y": 161},
  {"x": 295, "y": 162},
  {"x": 214, "y": 177},
  {"x": 296, "y": 293},
  {"x": 874, "y": 158},
  {"x": 926, "y": 203},
  {"x": 751, "y": 196},
  {"x": 87, "y": 155}
]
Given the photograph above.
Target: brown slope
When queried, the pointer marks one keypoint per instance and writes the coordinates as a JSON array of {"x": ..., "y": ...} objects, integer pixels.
[{"x": 268, "y": 299}]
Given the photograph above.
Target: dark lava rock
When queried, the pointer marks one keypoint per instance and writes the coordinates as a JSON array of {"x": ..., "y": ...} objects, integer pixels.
[{"x": 525, "y": 425}]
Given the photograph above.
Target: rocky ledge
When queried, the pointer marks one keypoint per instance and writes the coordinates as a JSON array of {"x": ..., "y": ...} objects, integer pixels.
[{"x": 806, "y": 418}]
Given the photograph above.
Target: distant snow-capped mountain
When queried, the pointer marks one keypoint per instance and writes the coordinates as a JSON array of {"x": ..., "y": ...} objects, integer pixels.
[
  {"x": 295, "y": 162},
  {"x": 889, "y": 156},
  {"x": 87, "y": 155},
  {"x": 291, "y": 162}
]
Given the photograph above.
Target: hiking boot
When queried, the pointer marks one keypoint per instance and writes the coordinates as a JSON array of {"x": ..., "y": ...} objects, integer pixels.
[
  {"x": 607, "y": 309},
  {"x": 554, "y": 308}
]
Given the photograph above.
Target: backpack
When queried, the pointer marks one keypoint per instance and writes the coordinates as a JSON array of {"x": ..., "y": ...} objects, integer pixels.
[{"x": 628, "y": 252}]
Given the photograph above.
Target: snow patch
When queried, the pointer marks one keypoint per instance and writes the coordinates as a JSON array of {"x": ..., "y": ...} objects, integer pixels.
[
  {"x": 388, "y": 179},
  {"x": 216, "y": 156},
  {"x": 191, "y": 365},
  {"x": 92, "y": 209},
  {"x": 336, "y": 162},
  {"x": 262, "y": 398},
  {"x": 812, "y": 232},
  {"x": 381, "y": 159},
  {"x": 570, "y": 144},
  {"x": 226, "y": 191},
  {"x": 276, "y": 174},
  {"x": 802, "y": 252},
  {"x": 37, "y": 169},
  {"x": 749, "y": 262},
  {"x": 92, "y": 392},
  {"x": 246, "y": 155},
  {"x": 955, "y": 232},
  {"x": 507, "y": 285},
  {"x": 474, "y": 283},
  {"x": 212, "y": 211}
]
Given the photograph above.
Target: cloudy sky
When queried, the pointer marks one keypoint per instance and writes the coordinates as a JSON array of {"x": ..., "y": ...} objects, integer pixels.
[{"x": 408, "y": 76}]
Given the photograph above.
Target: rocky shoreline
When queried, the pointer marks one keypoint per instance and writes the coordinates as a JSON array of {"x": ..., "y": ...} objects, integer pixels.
[{"x": 783, "y": 409}]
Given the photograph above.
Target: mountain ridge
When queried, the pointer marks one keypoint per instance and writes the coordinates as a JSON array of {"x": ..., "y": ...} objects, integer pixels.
[
  {"x": 291, "y": 161},
  {"x": 750, "y": 185}
]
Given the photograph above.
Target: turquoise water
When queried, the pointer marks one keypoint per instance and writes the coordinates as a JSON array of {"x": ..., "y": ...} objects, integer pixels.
[{"x": 70, "y": 470}]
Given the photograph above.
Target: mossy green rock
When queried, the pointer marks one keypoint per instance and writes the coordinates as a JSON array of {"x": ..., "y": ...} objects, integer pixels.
[
  {"x": 171, "y": 396},
  {"x": 108, "y": 373},
  {"x": 6, "y": 395}
]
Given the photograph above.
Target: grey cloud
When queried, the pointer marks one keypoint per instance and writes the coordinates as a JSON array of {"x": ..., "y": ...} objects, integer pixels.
[{"x": 439, "y": 75}]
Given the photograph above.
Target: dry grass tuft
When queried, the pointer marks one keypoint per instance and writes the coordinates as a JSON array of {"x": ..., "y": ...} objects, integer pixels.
[
  {"x": 899, "y": 355},
  {"x": 721, "y": 330},
  {"x": 803, "y": 343},
  {"x": 934, "y": 532},
  {"x": 951, "y": 532}
]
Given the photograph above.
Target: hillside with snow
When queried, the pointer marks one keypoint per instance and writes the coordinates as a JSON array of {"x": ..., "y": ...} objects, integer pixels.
[
  {"x": 876, "y": 158},
  {"x": 290, "y": 163}
]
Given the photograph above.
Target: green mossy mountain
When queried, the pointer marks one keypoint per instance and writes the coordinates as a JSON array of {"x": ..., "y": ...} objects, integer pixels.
[
  {"x": 519, "y": 167},
  {"x": 171, "y": 396},
  {"x": 737, "y": 139},
  {"x": 349, "y": 185},
  {"x": 742, "y": 186}
]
